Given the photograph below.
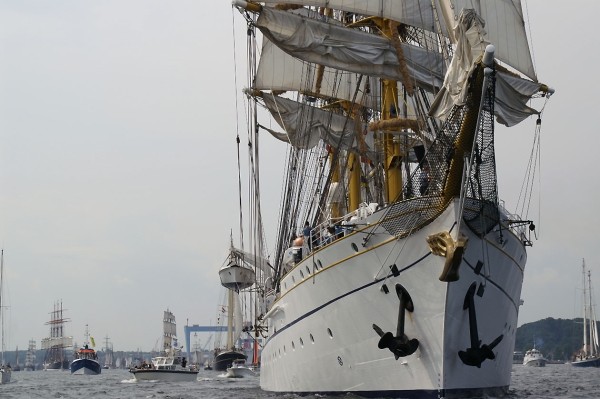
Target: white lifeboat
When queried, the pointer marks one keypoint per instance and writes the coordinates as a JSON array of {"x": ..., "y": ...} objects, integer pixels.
[{"x": 236, "y": 277}]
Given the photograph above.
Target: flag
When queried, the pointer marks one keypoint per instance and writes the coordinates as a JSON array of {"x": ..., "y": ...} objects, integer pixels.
[{"x": 93, "y": 343}]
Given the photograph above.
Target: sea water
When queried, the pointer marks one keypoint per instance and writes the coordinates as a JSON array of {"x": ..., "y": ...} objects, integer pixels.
[{"x": 552, "y": 381}]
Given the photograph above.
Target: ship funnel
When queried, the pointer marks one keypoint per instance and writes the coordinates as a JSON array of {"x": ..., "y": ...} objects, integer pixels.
[{"x": 488, "y": 56}]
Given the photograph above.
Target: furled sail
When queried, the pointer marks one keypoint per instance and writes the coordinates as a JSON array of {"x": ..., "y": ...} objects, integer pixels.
[
  {"x": 349, "y": 49},
  {"x": 305, "y": 126},
  {"x": 278, "y": 70},
  {"x": 512, "y": 93},
  {"x": 504, "y": 27},
  {"x": 417, "y": 13},
  {"x": 254, "y": 260},
  {"x": 504, "y": 21}
]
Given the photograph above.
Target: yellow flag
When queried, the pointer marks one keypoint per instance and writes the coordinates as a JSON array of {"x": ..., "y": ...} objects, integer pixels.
[{"x": 93, "y": 343}]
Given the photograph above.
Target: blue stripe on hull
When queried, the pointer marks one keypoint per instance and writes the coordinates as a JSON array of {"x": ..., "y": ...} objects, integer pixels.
[
  {"x": 85, "y": 366},
  {"x": 587, "y": 363}
]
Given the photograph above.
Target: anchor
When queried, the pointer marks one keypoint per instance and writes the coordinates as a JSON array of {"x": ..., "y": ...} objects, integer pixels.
[
  {"x": 476, "y": 354},
  {"x": 399, "y": 345}
]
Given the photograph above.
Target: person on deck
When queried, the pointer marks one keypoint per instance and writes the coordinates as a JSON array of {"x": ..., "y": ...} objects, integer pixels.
[{"x": 425, "y": 179}]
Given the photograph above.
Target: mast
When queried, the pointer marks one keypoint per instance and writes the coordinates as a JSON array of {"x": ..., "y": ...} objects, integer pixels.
[
  {"x": 230, "y": 319},
  {"x": 592, "y": 322},
  {"x": 1, "y": 306},
  {"x": 585, "y": 342}
]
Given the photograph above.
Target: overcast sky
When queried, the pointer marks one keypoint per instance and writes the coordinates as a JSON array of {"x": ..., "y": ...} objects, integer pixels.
[{"x": 118, "y": 166}]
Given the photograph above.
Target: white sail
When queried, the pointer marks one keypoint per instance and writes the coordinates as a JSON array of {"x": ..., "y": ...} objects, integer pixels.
[
  {"x": 417, "y": 13},
  {"x": 349, "y": 49},
  {"x": 504, "y": 21},
  {"x": 238, "y": 323},
  {"x": 305, "y": 126},
  {"x": 278, "y": 70}
]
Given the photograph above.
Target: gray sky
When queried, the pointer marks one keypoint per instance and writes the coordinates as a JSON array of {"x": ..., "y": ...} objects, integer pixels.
[{"x": 118, "y": 168}]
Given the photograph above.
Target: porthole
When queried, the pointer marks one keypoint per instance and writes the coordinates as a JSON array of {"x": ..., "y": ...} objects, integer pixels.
[
  {"x": 307, "y": 270},
  {"x": 285, "y": 285},
  {"x": 301, "y": 342},
  {"x": 301, "y": 274},
  {"x": 320, "y": 264},
  {"x": 284, "y": 351},
  {"x": 354, "y": 247},
  {"x": 315, "y": 267},
  {"x": 274, "y": 329},
  {"x": 293, "y": 345},
  {"x": 312, "y": 339},
  {"x": 330, "y": 333}
]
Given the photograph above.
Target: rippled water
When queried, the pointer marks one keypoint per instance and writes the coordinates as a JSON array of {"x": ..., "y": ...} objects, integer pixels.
[{"x": 552, "y": 381}]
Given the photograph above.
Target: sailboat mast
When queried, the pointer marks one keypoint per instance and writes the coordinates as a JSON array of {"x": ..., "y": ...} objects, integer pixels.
[
  {"x": 1, "y": 308},
  {"x": 229, "y": 319},
  {"x": 584, "y": 314},
  {"x": 592, "y": 337}
]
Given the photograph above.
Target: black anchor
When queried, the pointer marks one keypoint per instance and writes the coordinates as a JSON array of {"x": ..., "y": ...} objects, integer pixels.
[
  {"x": 399, "y": 345},
  {"x": 476, "y": 354}
]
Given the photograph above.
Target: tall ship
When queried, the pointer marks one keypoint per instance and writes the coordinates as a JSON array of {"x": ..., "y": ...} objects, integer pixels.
[
  {"x": 85, "y": 360},
  {"x": 30, "y": 357},
  {"x": 57, "y": 343},
  {"x": 589, "y": 354},
  {"x": 235, "y": 277},
  {"x": 396, "y": 269},
  {"x": 16, "y": 366},
  {"x": 109, "y": 360}
]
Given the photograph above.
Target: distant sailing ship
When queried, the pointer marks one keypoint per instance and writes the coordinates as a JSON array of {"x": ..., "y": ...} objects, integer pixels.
[
  {"x": 109, "y": 361},
  {"x": 30, "y": 357},
  {"x": 55, "y": 345},
  {"x": 16, "y": 367},
  {"x": 588, "y": 356}
]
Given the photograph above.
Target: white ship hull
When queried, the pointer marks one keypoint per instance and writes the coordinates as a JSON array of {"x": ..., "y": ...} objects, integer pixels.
[
  {"x": 345, "y": 296},
  {"x": 535, "y": 363}
]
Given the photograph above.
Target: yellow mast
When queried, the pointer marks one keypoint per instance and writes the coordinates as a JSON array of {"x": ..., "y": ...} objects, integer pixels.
[
  {"x": 336, "y": 207},
  {"x": 392, "y": 152}
]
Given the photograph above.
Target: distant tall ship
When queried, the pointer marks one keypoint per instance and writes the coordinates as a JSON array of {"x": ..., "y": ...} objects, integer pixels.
[
  {"x": 109, "y": 359},
  {"x": 589, "y": 354},
  {"x": 55, "y": 345},
  {"x": 30, "y": 357},
  {"x": 16, "y": 367}
]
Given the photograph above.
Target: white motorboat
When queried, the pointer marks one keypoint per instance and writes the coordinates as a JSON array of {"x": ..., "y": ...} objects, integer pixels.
[
  {"x": 239, "y": 369},
  {"x": 171, "y": 366},
  {"x": 534, "y": 358}
]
